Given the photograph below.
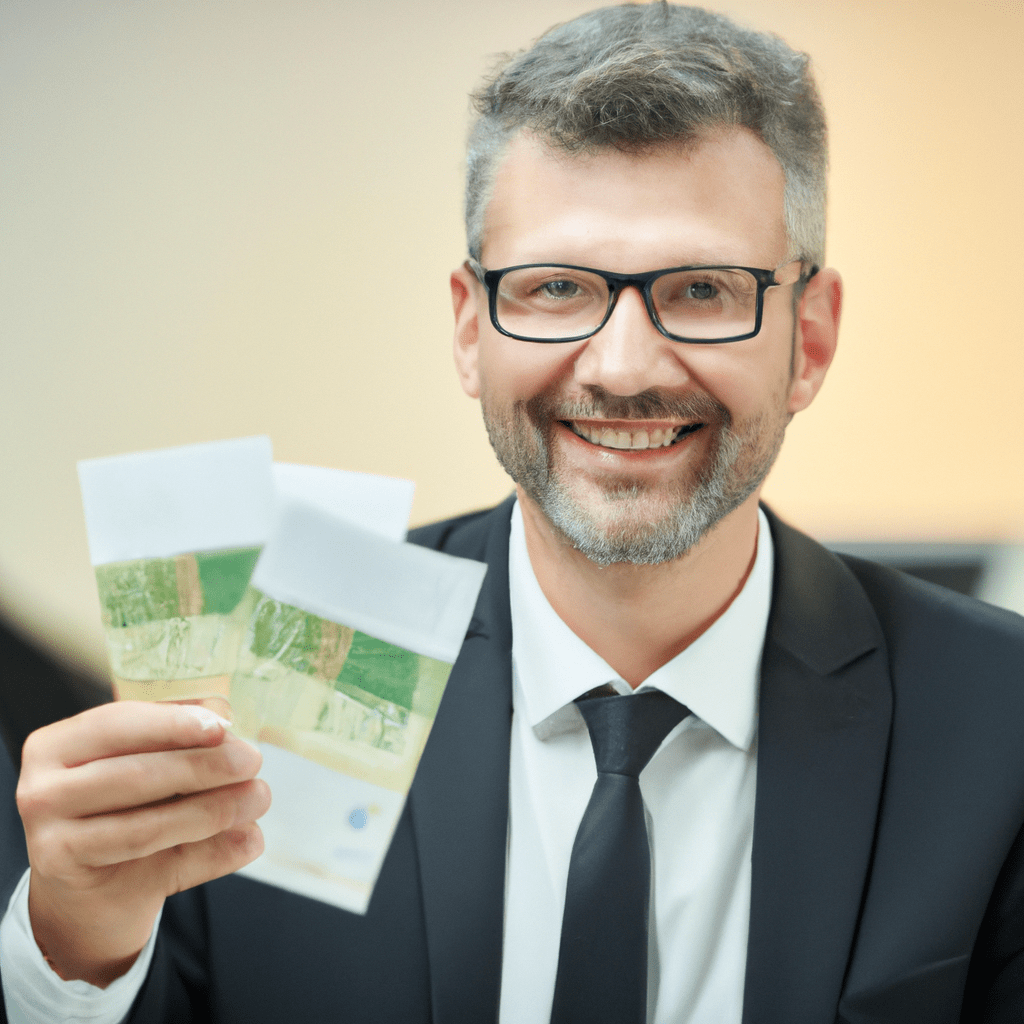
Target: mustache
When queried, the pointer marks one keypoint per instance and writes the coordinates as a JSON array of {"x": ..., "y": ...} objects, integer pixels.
[{"x": 652, "y": 404}]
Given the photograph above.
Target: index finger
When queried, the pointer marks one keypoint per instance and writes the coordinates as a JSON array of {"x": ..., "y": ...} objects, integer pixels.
[{"x": 125, "y": 727}]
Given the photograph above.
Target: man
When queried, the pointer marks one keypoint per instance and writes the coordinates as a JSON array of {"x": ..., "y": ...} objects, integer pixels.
[{"x": 833, "y": 812}]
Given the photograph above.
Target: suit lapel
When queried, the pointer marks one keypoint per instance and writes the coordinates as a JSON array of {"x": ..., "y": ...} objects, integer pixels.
[
  {"x": 823, "y": 733},
  {"x": 459, "y": 799}
]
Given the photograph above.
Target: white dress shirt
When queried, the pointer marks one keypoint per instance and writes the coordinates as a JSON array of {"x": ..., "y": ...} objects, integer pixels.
[
  {"x": 698, "y": 789},
  {"x": 36, "y": 994}
]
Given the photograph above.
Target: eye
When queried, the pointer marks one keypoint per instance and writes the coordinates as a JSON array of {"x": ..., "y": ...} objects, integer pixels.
[
  {"x": 701, "y": 291},
  {"x": 552, "y": 290},
  {"x": 560, "y": 289}
]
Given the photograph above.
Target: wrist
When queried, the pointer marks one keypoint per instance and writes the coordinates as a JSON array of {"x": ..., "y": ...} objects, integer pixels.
[{"x": 83, "y": 940}]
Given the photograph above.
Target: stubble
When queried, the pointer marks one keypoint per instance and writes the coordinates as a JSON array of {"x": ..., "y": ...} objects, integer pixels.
[{"x": 628, "y": 522}]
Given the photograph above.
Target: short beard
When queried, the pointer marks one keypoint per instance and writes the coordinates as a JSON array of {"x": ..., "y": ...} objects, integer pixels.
[{"x": 738, "y": 462}]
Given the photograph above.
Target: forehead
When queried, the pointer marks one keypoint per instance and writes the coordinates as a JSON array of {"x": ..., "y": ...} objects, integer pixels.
[{"x": 717, "y": 200}]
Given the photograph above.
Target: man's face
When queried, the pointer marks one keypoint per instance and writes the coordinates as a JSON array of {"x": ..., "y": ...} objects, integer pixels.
[{"x": 582, "y": 426}]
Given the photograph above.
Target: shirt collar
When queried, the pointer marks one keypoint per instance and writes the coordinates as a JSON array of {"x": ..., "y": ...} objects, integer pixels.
[{"x": 716, "y": 677}]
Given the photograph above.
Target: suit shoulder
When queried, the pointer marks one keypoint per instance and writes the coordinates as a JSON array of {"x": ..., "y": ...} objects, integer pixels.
[
  {"x": 912, "y": 611},
  {"x": 929, "y": 631},
  {"x": 465, "y": 535}
]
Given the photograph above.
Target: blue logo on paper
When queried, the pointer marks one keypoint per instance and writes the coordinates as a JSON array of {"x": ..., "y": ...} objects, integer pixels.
[{"x": 360, "y": 817}]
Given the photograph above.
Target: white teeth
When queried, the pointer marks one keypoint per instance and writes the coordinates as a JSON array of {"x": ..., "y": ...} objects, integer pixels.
[{"x": 639, "y": 440}]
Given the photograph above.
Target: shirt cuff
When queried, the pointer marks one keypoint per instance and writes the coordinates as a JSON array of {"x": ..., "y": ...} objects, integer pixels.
[{"x": 34, "y": 993}]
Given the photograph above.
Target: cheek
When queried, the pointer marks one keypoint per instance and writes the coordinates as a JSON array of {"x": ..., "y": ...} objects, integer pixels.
[
  {"x": 512, "y": 370},
  {"x": 726, "y": 374},
  {"x": 744, "y": 380}
]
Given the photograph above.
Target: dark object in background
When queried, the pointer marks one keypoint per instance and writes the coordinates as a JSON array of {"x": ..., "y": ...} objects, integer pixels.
[
  {"x": 36, "y": 689},
  {"x": 960, "y": 567}
]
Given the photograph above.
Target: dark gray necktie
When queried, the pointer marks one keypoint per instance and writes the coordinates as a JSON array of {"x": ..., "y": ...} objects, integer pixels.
[{"x": 602, "y": 959}]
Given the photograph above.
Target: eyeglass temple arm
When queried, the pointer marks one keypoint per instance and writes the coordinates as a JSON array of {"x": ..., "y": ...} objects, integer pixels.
[{"x": 478, "y": 270}]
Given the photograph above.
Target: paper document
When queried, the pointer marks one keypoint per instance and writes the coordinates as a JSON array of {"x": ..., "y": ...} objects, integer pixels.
[
  {"x": 174, "y": 536},
  {"x": 381, "y": 504},
  {"x": 288, "y": 591},
  {"x": 349, "y": 646}
]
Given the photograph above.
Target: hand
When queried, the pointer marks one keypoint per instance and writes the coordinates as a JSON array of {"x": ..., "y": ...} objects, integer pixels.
[{"x": 124, "y": 805}]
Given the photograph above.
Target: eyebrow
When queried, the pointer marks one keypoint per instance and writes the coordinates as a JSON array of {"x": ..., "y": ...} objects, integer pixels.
[
  {"x": 694, "y": 263},
  {"x": 694, "y": 258},
  {"x": 712, "y": 258}
]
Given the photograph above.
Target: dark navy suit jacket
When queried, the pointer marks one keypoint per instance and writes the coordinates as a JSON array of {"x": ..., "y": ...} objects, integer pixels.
[{"x": 888, "y": 852}]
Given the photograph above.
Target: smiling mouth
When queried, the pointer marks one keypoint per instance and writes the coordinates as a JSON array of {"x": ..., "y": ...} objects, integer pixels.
[{"x": 630, "y": 440}]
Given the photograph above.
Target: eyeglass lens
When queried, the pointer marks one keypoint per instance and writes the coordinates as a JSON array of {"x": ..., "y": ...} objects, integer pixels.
[{"x": 549, "y": 303}]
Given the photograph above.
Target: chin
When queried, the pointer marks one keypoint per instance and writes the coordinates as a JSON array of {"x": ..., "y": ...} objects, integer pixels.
[
  {"x": 639, "y": 529},
  {"x": 633, "y": 521}
]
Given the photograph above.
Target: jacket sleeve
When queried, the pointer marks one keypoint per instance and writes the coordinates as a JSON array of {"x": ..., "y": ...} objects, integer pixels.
[{"x": 177, "y": 986}]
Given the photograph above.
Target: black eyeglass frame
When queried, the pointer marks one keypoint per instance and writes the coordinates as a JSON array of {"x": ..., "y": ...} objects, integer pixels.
[{"x": 644, "y": 283}]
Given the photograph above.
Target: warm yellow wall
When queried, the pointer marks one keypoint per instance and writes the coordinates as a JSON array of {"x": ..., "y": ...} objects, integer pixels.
[{"x": 204, "y": 207}]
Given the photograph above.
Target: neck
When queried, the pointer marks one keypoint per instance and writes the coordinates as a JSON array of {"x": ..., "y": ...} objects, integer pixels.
[{"x": 639, "y": 617}]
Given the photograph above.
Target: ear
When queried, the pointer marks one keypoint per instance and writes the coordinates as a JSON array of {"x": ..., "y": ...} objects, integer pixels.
[
  {"x": 467, "y": 301},
  {"x": 816, "y": 336}
]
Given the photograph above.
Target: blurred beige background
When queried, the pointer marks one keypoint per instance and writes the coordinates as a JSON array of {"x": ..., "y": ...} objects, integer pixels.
[{"x": 232, "y": 217}]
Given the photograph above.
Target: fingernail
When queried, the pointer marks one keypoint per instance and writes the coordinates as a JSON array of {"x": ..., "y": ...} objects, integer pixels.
[{"x": 206, "y": 718}]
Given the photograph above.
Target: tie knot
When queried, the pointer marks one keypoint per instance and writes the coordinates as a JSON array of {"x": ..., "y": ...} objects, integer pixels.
[{"x": 625, "y": 731}]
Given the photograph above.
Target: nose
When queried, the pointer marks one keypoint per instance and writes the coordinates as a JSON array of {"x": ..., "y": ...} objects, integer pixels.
[{"x": 629, "y": 355}]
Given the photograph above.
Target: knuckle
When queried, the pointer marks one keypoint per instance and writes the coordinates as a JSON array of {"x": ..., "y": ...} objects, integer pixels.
[
  {"x": 82, "y": 850},
  {"x": 186, "y": 773},
  {"x": 32, "y": 750},
  {"x": 65, "y": 855},
  {"x": 224, "y": 764},
  {"x": 45, "y": 863},
  {"x": 223, "y": 812},
  {"x": 34, "y": 801},
  {"x": 133, "y": 845},
  {"x": 52, "y": 855},
  {"x": 223, "y": 808},
  {"x": 177, "y": 880},
  {"x": 204, "y": 766},
  {"x": 133, "y": 839}
]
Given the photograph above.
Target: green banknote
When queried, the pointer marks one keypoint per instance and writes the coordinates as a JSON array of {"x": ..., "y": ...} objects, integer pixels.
[
  {"x": 173, "y": 625},
  {"x": 334, "y": 695}
]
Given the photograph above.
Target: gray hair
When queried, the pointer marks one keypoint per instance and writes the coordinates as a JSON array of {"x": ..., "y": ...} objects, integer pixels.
[{"x": 641, "y": 75}]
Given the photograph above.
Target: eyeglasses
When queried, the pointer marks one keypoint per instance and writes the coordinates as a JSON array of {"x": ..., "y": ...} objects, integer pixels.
[{"x": 560, "y": 302}]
